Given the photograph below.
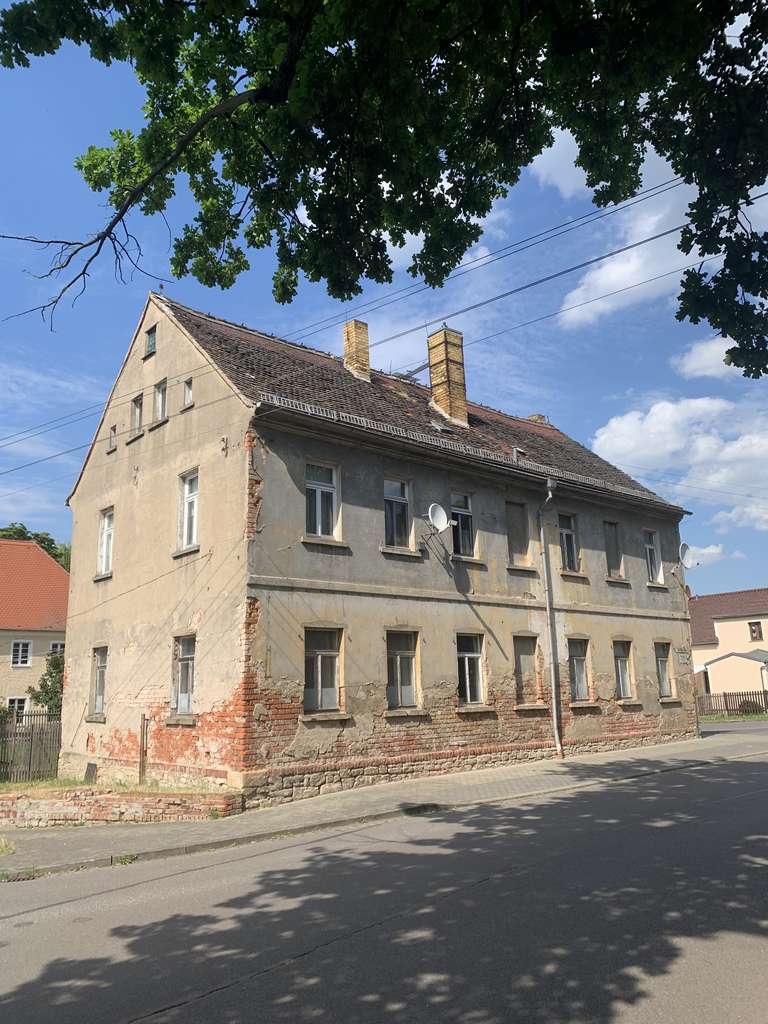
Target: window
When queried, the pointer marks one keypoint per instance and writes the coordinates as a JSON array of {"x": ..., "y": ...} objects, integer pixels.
[
  {"x": 188, "y": 517},
  {"x": 183, "y": 674},
  {"x": 99, "y": 680},
  {"x": 613, "y": 549},
  {"x": 463, "y": 530},
  {"x": 320, "y": 488},
  {"x": 525, "y": 665},
  {"x": 57, "y": 647},
  {"x": 621, "y": 649},
  {"x": 652, "y": 556},
  {"x": 662, "y": 669},
  {"x": 161, "y": 400},
  {"x": 321, "y": 669},
  {"x": 17, "y": 706},
  {"x": 396, "y": 518},
  {"x": 755, "y": 630},
  {"x": 21, "y": 654},
  {"x": 137, "y": 415},
  {"x": 112, "y": 438},
  {"x": 401, "y": 669},
  {"x": 577, "y": 669},
  {"x": 187, "y": 400},
  {"x": 150, "y": 341},
  {"x": 106, "y": 533},
  {"x": 568, "y": 547},
  {"x": 469, "y": 647},
  {"x": 517, "y": 533}
]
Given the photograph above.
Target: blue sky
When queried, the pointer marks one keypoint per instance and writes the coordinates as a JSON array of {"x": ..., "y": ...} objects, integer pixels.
[{"x": 620, "y": 375}]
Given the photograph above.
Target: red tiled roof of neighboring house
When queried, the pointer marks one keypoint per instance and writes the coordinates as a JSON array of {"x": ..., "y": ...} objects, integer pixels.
[
  {"x": 733, "y": 604},
  {"x": 33, "y": 588},
  {"x": 268, "y": 369}
]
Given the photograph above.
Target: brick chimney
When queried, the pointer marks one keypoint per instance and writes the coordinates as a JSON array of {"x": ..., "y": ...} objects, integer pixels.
[
  {"x": 446, "y": 375},
  {"x": 356, "y": 358}
]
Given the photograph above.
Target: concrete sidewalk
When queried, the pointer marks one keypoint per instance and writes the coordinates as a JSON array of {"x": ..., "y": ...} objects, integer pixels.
[{"x": 45, "y": 851}]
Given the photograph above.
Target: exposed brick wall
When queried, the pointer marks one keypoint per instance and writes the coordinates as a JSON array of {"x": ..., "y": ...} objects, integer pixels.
[{"x": 78, "y": 806}]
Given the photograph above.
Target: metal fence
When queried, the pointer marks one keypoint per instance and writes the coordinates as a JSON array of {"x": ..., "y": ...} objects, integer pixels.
[
  {"x": 29, "y": 746},
  {"x": 733, "y": 704}
]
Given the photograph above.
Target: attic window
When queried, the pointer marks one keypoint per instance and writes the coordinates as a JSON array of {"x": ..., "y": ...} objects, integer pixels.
[
  {"x": 441, "y": 427},
  {"x": 150, "y": 341}
]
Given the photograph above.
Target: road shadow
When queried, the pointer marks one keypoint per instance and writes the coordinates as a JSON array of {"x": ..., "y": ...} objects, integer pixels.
[{"x": 560, "y": 910}]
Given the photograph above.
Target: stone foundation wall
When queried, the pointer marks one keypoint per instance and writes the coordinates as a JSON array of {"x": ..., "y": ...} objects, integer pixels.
[{"x": 79, "y": 806}]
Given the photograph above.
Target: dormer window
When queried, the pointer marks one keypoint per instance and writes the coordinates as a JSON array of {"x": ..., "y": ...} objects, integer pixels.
[{"x": 150, "y": 342}]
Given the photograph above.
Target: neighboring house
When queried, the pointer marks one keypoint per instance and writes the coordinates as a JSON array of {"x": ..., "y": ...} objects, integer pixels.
[
  {"x": 253, "y": 573},
  {"x": 730, "y": 624},
  {"x": 33, "y": 614}
]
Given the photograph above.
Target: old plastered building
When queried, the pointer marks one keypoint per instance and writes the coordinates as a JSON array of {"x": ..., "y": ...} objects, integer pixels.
[{"x": 253, "y": 571}]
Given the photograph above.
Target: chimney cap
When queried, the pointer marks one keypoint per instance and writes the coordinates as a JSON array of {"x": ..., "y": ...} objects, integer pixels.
[{"x": 538, "y": 417}]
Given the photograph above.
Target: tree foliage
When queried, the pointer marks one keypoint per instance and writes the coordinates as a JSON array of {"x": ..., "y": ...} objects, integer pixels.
[
  {"x": 18, "y": 531},
  {"x": 329, "y": 128},
  {"x": 49, "y": 690}
]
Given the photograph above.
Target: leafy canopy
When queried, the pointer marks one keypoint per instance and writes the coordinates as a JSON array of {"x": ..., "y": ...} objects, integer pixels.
[
  {"x": 18, "y": 531},
  {"x": 49, "y": 690},
  {"x": 328, "y": 127}
]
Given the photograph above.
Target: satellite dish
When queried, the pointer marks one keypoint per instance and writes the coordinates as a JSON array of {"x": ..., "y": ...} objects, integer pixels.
[
  {"x": 685, "y": 556},
  {"x": 437, "y": 516}
]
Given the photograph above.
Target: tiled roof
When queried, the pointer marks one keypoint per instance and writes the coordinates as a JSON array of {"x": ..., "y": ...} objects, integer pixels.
[
  {"x": 33, "y": 588},
  {"x": 732, "y": 604},
  {"x": 264, "y": 368}
]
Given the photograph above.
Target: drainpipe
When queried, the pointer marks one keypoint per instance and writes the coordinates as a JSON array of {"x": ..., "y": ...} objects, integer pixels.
[{"x": 551, "y": 626}]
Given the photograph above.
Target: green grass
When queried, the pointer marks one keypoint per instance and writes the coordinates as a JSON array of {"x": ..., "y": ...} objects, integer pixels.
[
  {"x": 69, "y": 783},
  {"x": 6, "y": 846},
  {"x": 24, "y": 787},
  {"x": 733, "y": 718}
]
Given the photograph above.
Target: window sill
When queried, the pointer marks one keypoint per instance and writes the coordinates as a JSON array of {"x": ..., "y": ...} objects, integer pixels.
[
  {"x": 326, "y": 716},
  {"x": 185, "y": 720},
  {"x": 97, "y": 719},
  {"x": 101, "y": 576},
  {"x": 532, "y": 706},
  {"x": 629, "y": 702},
  {"x": 387, "y": 549},
  {"x": 619, "y": 581},
  {"x": 134, "y": 438},
  {"x": 22, "y": 666},
  {"x": 568, "y": 574},
  {"x": 406, "y": 713},
  {"x": 182, "y": 552},
  {"x": 324, "y": 542},
  {"x": 186, "y": 408},
  {"x": 157, "y": 423},
  {"x": 657, "y": 586},
  {"x": 523, "y": 570},
  {"x": 577, "y": 705},
  {"x": 670, "y": 700},
  {"x": 474, "y": 709},
  {"x": 469, "y": 560},
  {"x": 148, "y": 355},
  {"x": 111, "y": 451}
]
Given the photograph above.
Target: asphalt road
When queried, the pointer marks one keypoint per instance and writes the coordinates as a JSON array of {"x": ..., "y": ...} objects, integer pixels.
[{"x": 640, "y": 902}]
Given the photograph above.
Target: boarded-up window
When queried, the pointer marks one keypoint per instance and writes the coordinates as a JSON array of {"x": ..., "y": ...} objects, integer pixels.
[
  {"x": 525, "y": 667},
  {"x": 517, "y": 533},
  {"x": 612, "y": 548}
]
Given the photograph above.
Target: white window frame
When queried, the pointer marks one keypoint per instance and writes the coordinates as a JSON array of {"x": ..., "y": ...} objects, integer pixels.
[
  {"x": 184, "y": 655},
  {"x": 161, "y": 400},
  {"x": 189, "y": 507},
  {"x": 317, "y": 488},
  {"x": 458, "y": 514},
  {"x": 667, "y": 659},
  {"x": 623, "y": 683},
  {"x": 106, "y": 540},
  {"x": 403, "y": 502},
  {"x": 18, "y": 663},
  {"x": 567, "y": 533},
  {"x": 187, "y": 398},
  {"x": 464, "y": 658},
  {"x": 99, "y": 679},
  {"x": 579, "y": 693},
  {"x": 398, "y": 657},
  {"x": 57, "y": 646},
  {"x": 318, "y": 657},
  {"x": 652, "y": 549},
  {"x": 137, "y": 414},
  {"x": 19, "y": 713},
  {"x": 758, "y": 633}
]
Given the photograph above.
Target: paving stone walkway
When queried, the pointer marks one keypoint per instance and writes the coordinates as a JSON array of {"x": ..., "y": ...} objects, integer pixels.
[{"x": 39, "y": 851}]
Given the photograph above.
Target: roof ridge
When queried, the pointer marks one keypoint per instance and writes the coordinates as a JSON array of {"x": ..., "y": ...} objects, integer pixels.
[{"x": 730, "y": 593}]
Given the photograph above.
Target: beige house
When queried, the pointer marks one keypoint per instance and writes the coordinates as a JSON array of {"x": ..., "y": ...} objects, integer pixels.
[
  {"x": 304, "y": 575},
  {"x": 729, "y": 639},
  {"x": 33, "y": 613}
]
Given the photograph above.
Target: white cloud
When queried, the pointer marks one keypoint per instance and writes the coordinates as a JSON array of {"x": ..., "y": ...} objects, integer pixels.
[
  {"x": 705, "y": 556},
  {"x": 556, "y": 166},
  {"x": 705, "y": 359},
  {"x": 738, "y": 555}
]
